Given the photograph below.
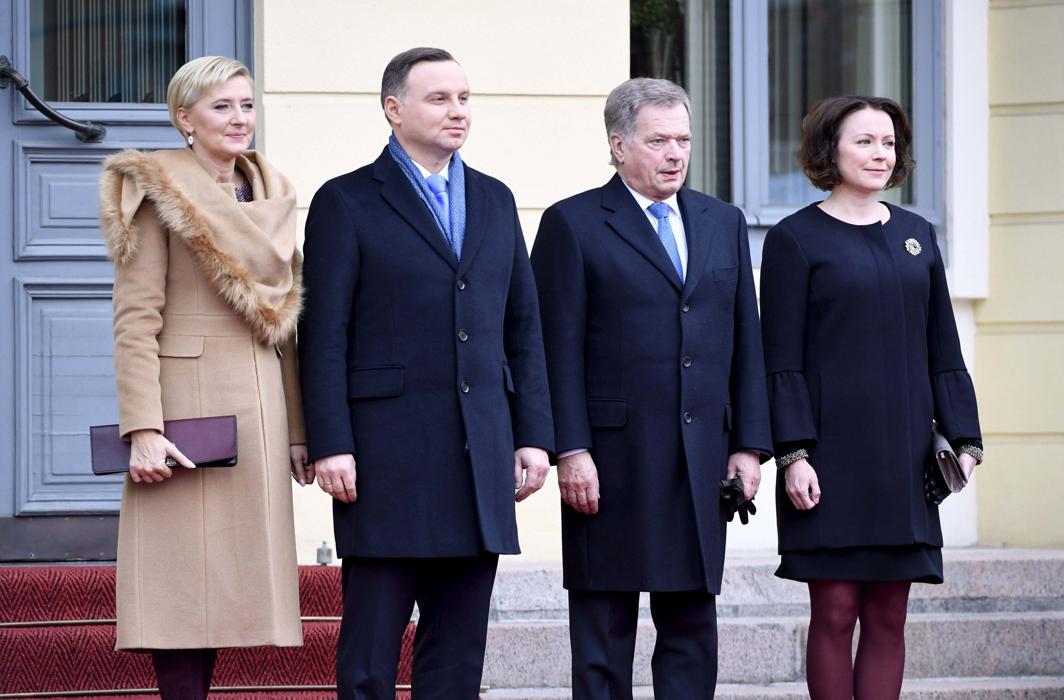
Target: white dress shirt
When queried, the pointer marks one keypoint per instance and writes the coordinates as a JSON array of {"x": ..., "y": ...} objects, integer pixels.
[{"x": 425, "y": 172}]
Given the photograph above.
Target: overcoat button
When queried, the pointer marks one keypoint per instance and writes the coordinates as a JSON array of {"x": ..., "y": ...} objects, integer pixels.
[
  {"x": 462, "y": 335},
  {"x": 464, "y": 387},
  {"x": 461, "y": 284},
  {"x": 687, "y": 361},
  {"x": 687, "y": 417},
  {"x": 685, "y": 308}
]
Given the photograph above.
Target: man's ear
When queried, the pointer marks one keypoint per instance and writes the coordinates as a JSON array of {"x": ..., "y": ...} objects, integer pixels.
[
  {"x": 392, "y": 110},
  {"x": 617, "y": 147}
]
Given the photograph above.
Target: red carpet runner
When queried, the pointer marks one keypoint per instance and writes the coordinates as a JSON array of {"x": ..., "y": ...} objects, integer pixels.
[{"x": 71, "y": 648}]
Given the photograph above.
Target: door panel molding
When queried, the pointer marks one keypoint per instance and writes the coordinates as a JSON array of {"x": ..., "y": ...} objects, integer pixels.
[
  {"x": 56, "y": 210},
  {"x": 65, "y": 382}
]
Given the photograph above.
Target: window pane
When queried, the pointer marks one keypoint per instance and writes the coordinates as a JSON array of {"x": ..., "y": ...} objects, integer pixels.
[
  {"x": 657, "y": 40},
  {"x": 688, "y": 42},
  {"x": 106, "y": 50},
  {"x": 821, "y": 48}
]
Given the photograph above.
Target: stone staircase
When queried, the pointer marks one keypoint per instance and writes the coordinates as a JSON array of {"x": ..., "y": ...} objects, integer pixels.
[{"x": 995, "y": 629}]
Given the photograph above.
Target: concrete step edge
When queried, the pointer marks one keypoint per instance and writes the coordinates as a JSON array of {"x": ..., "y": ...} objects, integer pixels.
[{"x": 960, "y": 688}]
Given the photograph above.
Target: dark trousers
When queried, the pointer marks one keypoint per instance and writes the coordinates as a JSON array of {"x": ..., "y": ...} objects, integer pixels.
[
  {"x": 184, "y": 674},
  {"x": 602, "y": 628},
  {"x": 453, "y": 596}
]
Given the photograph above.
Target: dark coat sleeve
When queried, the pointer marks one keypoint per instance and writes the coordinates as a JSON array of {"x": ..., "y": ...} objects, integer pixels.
[
  {"x": 784, "y": 299},
  {"x": 330, "y": 274},
  {"x": 951, "y": 385},
  {"x": 750, "y": 410},
  {"x": 523, "y": 339},
  {"x": 559, "y": 269}
]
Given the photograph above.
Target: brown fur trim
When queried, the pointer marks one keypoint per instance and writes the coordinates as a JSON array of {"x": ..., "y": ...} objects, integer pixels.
[{"x": 178, "y": 215}]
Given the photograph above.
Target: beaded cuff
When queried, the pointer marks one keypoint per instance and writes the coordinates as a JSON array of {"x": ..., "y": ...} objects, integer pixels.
[
  {"x": 790, "y": 458},
  {"x": 974, "y": 451}
]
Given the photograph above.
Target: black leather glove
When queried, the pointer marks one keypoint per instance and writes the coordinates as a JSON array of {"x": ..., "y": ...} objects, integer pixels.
[{"x": 733, "y": 500}]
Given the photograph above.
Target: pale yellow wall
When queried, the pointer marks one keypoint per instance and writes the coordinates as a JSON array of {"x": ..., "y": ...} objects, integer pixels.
[
  {"x": 1020, "y": 341},
  {"x": 539, "y": 72}
]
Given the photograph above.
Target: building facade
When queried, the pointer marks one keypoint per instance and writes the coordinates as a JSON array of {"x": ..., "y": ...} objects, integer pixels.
[{"x": 982, "y": 79}]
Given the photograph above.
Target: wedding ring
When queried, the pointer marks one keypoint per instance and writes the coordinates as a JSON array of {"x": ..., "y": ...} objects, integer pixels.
[{"x": 171, "y": 462}]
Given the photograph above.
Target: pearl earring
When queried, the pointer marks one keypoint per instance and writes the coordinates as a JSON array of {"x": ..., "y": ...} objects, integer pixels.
[{"x": 191, "y": 140}]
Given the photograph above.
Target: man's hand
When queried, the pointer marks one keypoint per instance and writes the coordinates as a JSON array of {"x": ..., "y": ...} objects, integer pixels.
[
  {"x": 578, "y": 482},
  {"x": 148, "y": 453},
  {"x": 747, "y": 465},
  {"x": 531, "y": 465},
  {"x": 301, "y": 470},
  {"x": 803, "y": 487},
  {"x": 336, "y": 476}
]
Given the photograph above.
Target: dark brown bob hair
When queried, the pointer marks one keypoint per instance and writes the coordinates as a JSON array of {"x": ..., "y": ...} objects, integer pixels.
[{"x": 820, "y": 138}]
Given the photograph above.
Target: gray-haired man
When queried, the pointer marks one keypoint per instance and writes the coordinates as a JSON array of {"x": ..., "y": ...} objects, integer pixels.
[{"x": 658, "y": 392}]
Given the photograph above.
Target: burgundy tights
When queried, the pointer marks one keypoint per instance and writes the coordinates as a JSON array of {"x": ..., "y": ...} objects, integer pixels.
[
  {"x": 184, "y": 674},
  {"x": 876, "y": 672}
]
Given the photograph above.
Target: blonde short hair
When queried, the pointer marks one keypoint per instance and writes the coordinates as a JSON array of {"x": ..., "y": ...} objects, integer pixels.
[{"x": 198, "y": 75}]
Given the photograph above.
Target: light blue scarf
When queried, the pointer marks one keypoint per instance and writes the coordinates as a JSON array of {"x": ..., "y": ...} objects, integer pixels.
[{"x": 455, "y": 193}]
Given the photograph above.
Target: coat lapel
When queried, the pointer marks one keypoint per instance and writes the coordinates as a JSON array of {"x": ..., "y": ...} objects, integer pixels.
[
  {"x": 476, "y": 218},
  {"x": 699, "y": 229},
  {"x": 632, "y": 225},
  {"x": 400, "y": 195}
]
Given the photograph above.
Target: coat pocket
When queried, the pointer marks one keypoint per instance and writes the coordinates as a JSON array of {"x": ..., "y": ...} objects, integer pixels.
[
  {"x": 607, "y": 413},
  {"x": 725, "y": 274},
  {"x": 375, "y": 382},
  {"x": 180, "y": 345},
  {"x": 508, "y": 378},
  {"x": 727, "y": 417}
]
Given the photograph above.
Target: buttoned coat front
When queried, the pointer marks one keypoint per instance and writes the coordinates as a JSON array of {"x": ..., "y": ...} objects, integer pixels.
[
  {"x": 427, "y": 368},
  {"x": 660, "y": 380},
  {"x": 206, "y": 298}
]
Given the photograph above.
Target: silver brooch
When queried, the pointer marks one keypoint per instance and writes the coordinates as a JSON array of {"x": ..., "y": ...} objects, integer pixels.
[{"x": 912, "y": 246}]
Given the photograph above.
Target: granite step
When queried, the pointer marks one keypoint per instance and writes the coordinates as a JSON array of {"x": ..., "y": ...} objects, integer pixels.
[
  {"x": 535, "y": 653},
  {"x": 1007, "y": 688},
  {"x": 977, "y": 580}
]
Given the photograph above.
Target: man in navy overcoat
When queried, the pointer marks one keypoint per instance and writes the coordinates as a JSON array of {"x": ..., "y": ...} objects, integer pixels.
[
  {"x": 421, "y": 360},
  {"x": 658, "y": 390}
]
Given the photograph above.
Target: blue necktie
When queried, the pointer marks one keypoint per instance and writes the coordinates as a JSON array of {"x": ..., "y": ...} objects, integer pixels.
[
  {"x": 660, "y": 210},
  {"x": 438, "y": 184}
]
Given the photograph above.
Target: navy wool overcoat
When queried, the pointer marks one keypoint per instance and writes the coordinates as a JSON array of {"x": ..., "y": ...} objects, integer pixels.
[
  {"x": 862, "y": 352},
  {"x": 660, "y": 380},
  {"x": 428, "y": 369}
]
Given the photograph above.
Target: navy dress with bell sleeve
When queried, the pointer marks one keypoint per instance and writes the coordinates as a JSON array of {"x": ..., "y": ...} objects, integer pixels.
[{"x": 862, "y": 353}]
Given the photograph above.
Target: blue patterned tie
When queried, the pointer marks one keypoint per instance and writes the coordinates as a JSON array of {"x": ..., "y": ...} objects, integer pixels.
[
  {"x": 660, "y": 210},
  {"x": 438, "y": 184}
]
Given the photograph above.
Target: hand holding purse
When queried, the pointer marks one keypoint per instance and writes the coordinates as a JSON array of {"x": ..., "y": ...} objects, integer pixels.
[
  {"x": 944, "y": 474},
  {"x": 208, "y": 442}
]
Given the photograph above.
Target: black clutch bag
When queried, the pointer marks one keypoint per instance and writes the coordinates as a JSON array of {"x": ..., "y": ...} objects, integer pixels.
[
  {"x": 208, "y": 442},
  {"x": 944, "y": 474}
]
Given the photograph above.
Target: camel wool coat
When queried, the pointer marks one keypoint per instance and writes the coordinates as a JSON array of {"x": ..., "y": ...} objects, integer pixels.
[{"x": 206, "y": 300}]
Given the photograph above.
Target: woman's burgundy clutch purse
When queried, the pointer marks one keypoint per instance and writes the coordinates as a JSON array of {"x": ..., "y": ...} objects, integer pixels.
[{"x": 208, "y": 442}]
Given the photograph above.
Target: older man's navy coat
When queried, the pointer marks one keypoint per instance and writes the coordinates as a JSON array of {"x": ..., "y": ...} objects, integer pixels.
[
  {"x": 660, "y": 380},
  {"x": 428, "y": 369}
]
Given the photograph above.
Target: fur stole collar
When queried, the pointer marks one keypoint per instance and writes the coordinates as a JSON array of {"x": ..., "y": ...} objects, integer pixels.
[{"x": 247, "y": 251}]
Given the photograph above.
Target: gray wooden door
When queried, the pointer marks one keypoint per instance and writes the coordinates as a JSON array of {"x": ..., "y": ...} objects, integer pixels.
[{"x": 108, "y": 63}]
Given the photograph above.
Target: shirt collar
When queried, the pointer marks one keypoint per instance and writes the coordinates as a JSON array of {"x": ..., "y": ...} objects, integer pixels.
[
  {"x": 446, "y": 172},
  {"x": 644, "y": 202}
]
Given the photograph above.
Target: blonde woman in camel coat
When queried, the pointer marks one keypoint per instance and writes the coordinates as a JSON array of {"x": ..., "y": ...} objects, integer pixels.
[{"x": 206, "y": 300}]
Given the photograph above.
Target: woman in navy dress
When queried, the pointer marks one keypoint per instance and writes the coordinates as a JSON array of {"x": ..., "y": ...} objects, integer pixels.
[{"x": 862, "y": 355}]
